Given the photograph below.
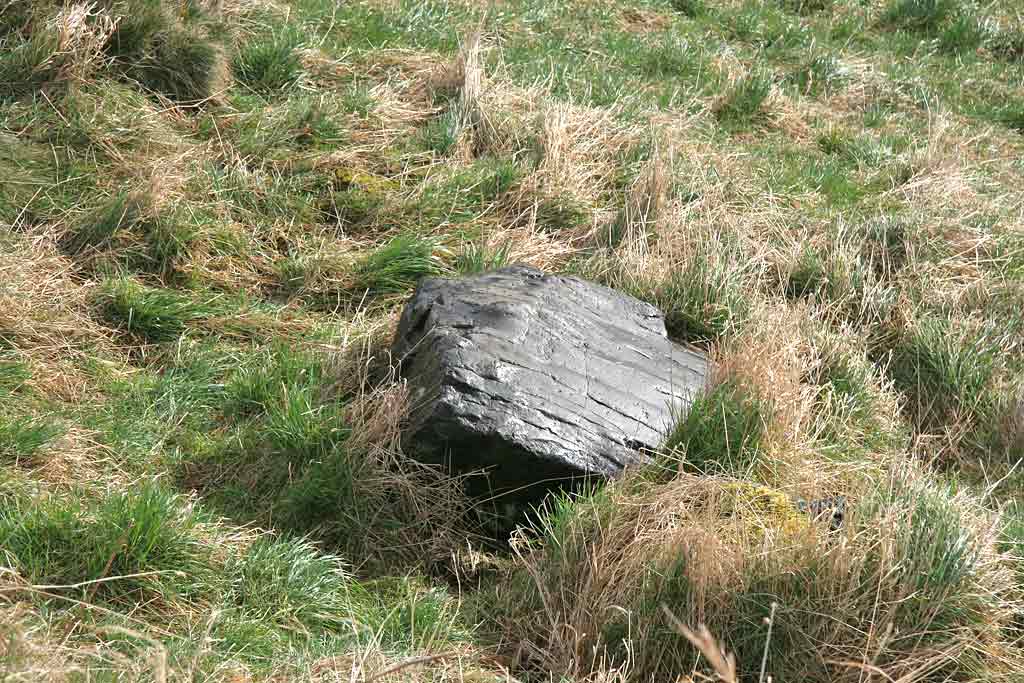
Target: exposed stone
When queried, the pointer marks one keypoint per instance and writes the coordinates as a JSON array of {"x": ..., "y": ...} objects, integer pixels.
[
  {"x": 832, "y": 509},
  {"x": 540, "y": 379}
]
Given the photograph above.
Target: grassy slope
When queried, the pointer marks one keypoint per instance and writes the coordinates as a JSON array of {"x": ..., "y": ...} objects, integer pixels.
[{"x": 211, "y": 213}]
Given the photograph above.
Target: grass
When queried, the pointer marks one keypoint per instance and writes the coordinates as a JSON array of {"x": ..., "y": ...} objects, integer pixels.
[
  {"x": 149, "y": 314},
  {"x": 269, "y": 65},
  {"x": 292, "y": 585},
  {"x": 476, "y": 258},
  {"x": 947, "y": 377},
  {"x": 22, "y": 438},
  {"x": 141, "y": 536},
  {"x": 691, "y": 566},
  {"x": 212, "y": 212},
  {"x": 398, "y": 266},
  {"x": 743, "y": 103},
  {"x": 722, "y": 430}
]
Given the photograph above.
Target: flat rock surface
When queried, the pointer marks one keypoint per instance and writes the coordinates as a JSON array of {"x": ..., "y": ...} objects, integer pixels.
[{"x": 539, "y": 379}]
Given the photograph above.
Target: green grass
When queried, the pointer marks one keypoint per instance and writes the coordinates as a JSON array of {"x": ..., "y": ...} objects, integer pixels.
[
  {"x": 702, "y": 300},
  {"x": 477, "y": 258},
  {"x": 722, "y": 431},
  {"x": 743, "y": 103},
  {"x": 945, "y": 375},
  {"x": 919, "y": 15},
  {"x": 821, "y": 74},
  {"x": 269, "y": 65},
  {"x": 294, "y": 586},
  {"x": 399, "y": 265},
  {"x": 148, "y": 314},
  {"x": 123, "y": 211},
  {"x": 131, "y": 546},
  {"x": 689, "y": 8},
  {"x": 178, "y": 64},
  {"x": 22, "y": 438},
  {"x": 13, "y": 374},
  {"x": 800, "y": 575}
]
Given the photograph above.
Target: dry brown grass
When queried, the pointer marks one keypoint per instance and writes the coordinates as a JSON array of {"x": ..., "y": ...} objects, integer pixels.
[
  {"x": 44, "y": 316},
  {"x": 709, "y": 549}
]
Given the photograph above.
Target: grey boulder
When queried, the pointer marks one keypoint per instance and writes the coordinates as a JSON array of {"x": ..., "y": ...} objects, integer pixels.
[{"x": 539, "y": 380}]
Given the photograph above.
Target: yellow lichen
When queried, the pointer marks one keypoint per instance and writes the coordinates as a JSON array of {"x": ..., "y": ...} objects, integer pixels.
[{"x": 760, "y": 507}]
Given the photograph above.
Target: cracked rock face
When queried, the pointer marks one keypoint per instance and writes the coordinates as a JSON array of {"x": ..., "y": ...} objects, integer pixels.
[{"x": 540, "y": 380}]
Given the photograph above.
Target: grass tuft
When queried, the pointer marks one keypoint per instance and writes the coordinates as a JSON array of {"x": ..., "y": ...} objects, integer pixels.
[
  {"x": 121, "y": 212},
  {"x": 133, "y": 545},
  {"x": 919, "y": 15},
  {"x": 21, "y": 438},
  {"x": 477, "y": 258},
  {"x": 149, "y": 314},
  {"x": 178, "y": 64},
  {"x": 731, "y": 555},
  {"x": 291, "y": 584},
  {"x": 690, "y": 8},
  {"x": 743, "y": 103},
  {"x": 399, "y": 265},
  {"x": 269, "y": 65},
  {"x": 723, "y": 430},
  {"x": 821, "y": 75},
  {"x": 947, "y": 376}
]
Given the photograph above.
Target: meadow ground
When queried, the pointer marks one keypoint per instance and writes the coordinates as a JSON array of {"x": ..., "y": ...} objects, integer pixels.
[{"x": 212, "y": 210}]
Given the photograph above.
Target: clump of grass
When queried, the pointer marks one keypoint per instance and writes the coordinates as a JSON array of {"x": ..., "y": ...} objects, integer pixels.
[
  {"x": 27, "y": 65},
  {"x": 822, "y": 74},
  {"x": 150, "y": 314},
  {"x": 13, "y": 374},
  {"x": 1008, "y": 43},
  {"x": 731, "y": 555},
  {"x": 269, "y": 65},
  {"x": 963, "y": 35},
  {"x": 328, "y": 463},
  {"x": 855, "y": 417},
  {"x": 634, "y": 229},
  {"x": 954, "y": 27},
  {"x": 441, "y": 134},
  {"x": 276, "y": 132},
  {"x": 722, "y": 431},
  {"x": 131, "y": 547},
  {"x": 256, "y": 389},
  {"x": 293, "y": 586},
  {"x": 121, "y": 212},
  {"x": 44, "y": 46},
  {"x": 161, "y": 52},
  {"x": 477, "y": 257},
  {"x": 21, "y": 438},
  {"x": 414, "y": 615},
  {"x": 806, "y": 7},
  {"x": 919, "y": 15},
  {"x": 946, "y": 374},
  {"x": 690, "y": 8},
  {"x": 703, "y": 299},
  {"x": 178, "y": 64},
  {"x": 399, "y": 265},
  {"x": 1011, "y": 115},
  {"x": 168, "y": 239},
  {"x": 743, "y": 103},
  {"x": 469, "y": 192},
  {"x": 555, "y": 214}
]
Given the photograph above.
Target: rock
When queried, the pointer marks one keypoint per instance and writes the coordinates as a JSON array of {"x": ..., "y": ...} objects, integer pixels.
[
  {"x": 832, "y": 509},
  {"x": 541, "y": 379}
]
